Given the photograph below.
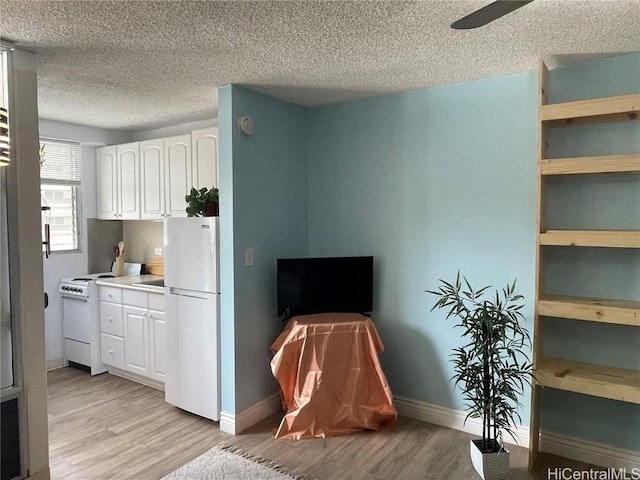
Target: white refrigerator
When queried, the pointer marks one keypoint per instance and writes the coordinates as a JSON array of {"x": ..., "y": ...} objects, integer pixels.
[{"x": 192, "y": 304}]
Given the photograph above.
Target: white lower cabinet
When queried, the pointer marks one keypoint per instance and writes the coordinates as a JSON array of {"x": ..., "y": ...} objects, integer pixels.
[
  {"x": 156, "y": 342},
  {"x": 132, "y": 332},
  {"x": 136, "y": 340}
]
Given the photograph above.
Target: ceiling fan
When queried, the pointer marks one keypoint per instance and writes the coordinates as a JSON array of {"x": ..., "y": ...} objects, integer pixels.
[{"x": 488, "y": 13}]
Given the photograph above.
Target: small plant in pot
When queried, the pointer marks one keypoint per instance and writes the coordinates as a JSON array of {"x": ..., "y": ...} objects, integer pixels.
[
  {"x": 203, "y": 202},
  {"x": 492, "y": 368}
]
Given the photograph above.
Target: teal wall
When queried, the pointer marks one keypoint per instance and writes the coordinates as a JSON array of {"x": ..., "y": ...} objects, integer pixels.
[
  {"x": 429, "y": 183},
  {"x": 263, "y": 180},
  {"x": 596, "y": 202}
]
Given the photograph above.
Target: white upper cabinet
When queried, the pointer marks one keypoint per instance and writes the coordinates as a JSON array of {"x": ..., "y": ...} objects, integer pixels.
[
  {"x": 149, "y": 179},
  {"x": 118, "y": 182},
  {"x": 129, "y": 181},
  {"x": 204, "y": 154},
  {"x": 177, "y": 168},
  {"x": 165, "y": 176},
  {"x": 107, "y": 183},
  {"x": 152, "y": 179}
]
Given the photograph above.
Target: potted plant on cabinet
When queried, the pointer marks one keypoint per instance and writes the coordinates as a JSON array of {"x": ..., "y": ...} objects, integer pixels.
[
  {"x": 492, "y": 368},
  {"x": 203, "y": 202}
]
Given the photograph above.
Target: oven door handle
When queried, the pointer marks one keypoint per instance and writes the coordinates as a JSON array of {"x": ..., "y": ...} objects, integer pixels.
[{"x": 75, "y": 297}]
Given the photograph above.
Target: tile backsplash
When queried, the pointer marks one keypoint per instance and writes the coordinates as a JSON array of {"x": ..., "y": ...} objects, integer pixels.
[
  {"x": 102, "y": 235},
  {"x": 141, "y": 238}
]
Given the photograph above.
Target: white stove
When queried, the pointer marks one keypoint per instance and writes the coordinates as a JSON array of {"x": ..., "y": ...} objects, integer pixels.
[
  {"x": 81, "y": 318},
  {"x": 79, "y": 286}
]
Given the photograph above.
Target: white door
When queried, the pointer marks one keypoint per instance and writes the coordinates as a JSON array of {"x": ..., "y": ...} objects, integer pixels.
[
  {"x": 136, "y": 334},
  {"x": 177, "y": 161},
  {"x": 152, "y": 179},
  {"x": 129, "y": 180},
  {"x": 192, "y": 375},
  {"x": 157, "y": 365},
  {"x": 106, "y": 183},
  {"x": 204, "y": 157}
]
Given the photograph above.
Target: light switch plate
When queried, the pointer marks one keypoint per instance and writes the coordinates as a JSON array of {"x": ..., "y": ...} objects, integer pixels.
[
  {"x": 157, "y": 252},
  {"x": 248, "y": 257}
]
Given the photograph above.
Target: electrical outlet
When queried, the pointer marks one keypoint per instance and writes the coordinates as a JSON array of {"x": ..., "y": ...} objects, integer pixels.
[
  {"x": 248, "y": 257},
  {"x": 157, "y": 252}
]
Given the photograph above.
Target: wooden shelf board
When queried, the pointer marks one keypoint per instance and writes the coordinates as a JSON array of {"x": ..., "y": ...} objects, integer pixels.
[
  {"x": 589, "y": 379},
  {"x": 591, "y": 238},
  {"x": 623, "y": 107},
  {"x": 591, "y": 165},
  {"x": 620, "y": 312}
]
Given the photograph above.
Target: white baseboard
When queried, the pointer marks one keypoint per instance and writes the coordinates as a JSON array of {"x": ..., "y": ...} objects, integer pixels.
[
  {"x": 239, "y": 422},
  {"x": 227, "y": 422},
  {"x": 562, "y": 445},
  {"x": 55, "y": 363},
  {"x": 136, "y": 378},
  {"x": 454, "y": 419},
  {"x": 588, "y": 452}
]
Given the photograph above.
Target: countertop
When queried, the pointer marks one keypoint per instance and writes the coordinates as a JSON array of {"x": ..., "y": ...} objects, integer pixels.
[{"x": 128, "y": 283}]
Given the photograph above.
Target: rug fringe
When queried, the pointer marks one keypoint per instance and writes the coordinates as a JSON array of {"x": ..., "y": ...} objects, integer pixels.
[{"x": 262, "y": 461}]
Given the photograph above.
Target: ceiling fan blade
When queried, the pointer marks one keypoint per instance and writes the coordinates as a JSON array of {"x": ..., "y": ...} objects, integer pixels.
[{"x": 489, "y": 13}]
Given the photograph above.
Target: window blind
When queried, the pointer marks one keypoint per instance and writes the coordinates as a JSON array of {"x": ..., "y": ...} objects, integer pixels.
[{"x": 61, "y": 162}]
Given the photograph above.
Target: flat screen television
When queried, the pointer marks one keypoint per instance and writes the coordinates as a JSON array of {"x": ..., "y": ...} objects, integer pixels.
[{"x": 322, "y": 285}]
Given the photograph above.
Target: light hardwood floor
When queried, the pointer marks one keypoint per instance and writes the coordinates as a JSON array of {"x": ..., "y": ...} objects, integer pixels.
[{"x": 106, "y": 427}]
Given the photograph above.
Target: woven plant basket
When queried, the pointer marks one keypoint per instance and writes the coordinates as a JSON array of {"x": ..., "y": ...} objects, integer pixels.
[{"x": 490, "y": 466}]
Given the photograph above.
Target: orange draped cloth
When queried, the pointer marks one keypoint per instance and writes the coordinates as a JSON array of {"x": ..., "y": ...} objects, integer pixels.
[{"x": 330, "y": 376}]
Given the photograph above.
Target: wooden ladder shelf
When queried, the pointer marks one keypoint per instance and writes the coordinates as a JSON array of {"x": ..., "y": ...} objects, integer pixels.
[{"x": 565, "y": 374}]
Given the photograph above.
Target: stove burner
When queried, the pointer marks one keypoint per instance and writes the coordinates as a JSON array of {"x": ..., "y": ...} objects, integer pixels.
[
  {"x": 106, "y": 276},
  {"x": 81, "y": 279}
]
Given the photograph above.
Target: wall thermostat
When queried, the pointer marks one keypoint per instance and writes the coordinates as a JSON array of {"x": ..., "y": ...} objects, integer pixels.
[{"x": 245, "y": 125}]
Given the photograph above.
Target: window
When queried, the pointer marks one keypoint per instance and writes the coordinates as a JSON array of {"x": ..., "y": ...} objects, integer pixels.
[{"x": 60, "y": 190}]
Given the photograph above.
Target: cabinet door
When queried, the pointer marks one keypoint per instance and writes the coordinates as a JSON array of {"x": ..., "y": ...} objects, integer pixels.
[
  {"x": 152, "y": 179},
  {"x": 177, "y": 161},
  {"x": 157, "y": 346},
  {"x": 106, "y": 183},
  {"x": 204, "y": 157},
  {"x": 136, "y": 340},
  {"x": 129, "y": 181}
]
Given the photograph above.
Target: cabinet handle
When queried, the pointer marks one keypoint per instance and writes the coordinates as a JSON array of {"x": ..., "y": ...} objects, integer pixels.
[
  {"x": 110, "y": 351},
  {"x": 109, "y": 295},
  {"x": 110, "y": 319}
]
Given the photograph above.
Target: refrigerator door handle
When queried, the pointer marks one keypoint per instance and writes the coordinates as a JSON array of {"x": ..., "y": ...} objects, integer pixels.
[{"x": 188, "y": 293}]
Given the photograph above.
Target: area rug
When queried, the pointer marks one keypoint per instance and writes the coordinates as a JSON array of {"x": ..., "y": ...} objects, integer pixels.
[{"x": 227, "y": 462}]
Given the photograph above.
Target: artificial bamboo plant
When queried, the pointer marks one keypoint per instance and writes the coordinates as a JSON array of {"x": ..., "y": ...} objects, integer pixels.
[{"x": 493, "y": 368}]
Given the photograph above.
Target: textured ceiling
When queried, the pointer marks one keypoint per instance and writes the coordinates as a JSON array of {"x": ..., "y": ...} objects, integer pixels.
[{"x": 136, "y": 65}]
